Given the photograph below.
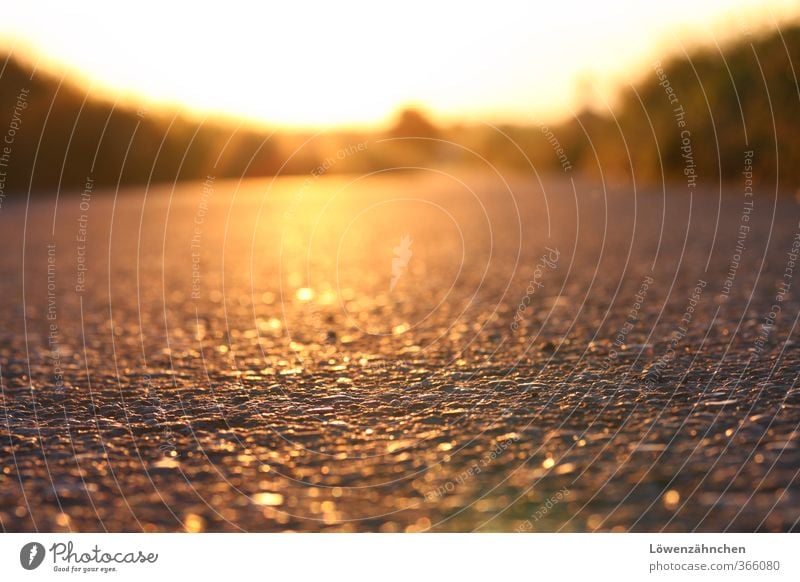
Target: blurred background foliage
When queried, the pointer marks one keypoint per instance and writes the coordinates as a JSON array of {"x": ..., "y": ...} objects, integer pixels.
[{"x": 743, "y": 96}]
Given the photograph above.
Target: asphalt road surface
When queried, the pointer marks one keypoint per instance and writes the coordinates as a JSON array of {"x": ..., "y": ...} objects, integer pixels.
[{"x": 403, "y": 352}]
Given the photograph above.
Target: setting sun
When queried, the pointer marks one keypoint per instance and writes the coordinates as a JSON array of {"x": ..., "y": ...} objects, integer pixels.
[{"x": 290, "y": 65}]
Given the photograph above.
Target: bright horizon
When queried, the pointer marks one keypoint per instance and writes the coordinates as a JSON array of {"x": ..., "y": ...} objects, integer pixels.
[{"x": 355, "y": 64}]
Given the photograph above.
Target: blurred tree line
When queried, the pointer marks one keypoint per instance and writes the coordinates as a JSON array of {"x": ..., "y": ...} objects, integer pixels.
[
  {"x": 741, "y": 97},
  {"x": 65, "y": 137}
]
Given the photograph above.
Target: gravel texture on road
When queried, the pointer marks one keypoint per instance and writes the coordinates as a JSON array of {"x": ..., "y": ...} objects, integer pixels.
[{"x": 399, "y": 352}]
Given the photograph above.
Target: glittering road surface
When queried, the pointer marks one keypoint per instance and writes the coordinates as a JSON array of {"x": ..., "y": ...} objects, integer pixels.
[{"x": 399, "y": 352}]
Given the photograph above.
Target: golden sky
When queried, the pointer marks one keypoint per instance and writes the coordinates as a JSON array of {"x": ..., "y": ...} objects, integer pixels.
[{"x": 354, "y": 63}]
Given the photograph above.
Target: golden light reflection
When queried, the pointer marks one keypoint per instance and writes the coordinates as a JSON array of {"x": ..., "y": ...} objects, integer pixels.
[
  {"x": 304, "y": 294},
  {"x": 267, "y": 498}
]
